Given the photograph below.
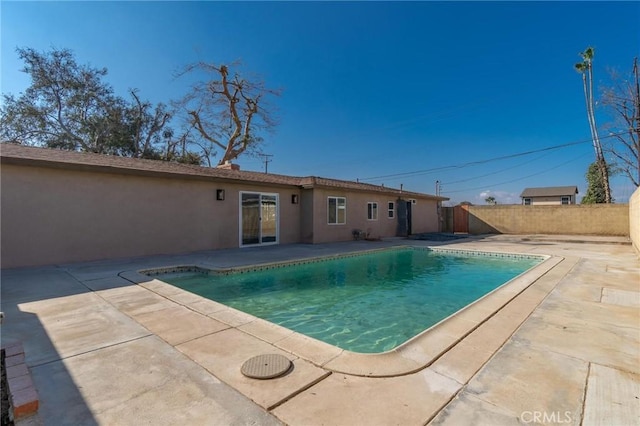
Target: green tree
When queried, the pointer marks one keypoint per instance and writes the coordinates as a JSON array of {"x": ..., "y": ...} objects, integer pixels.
[
  {"x": 595, "y": 186},
  {"x": 586, "y": 69},
  {"x": 69, "y": 106},
  {"x": 66, "y": 106},
  {"x": 228, "y": 112}
]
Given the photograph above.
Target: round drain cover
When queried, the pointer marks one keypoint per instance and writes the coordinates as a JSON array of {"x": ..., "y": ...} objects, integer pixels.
[{"x": 267, "y": 366}]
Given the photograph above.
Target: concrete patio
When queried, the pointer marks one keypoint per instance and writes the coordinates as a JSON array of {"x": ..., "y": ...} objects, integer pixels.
[{"x": 103, "y": 348}]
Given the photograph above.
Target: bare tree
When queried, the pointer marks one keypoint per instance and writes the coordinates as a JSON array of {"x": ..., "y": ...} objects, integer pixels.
[
  {"x": 586, "y": 69},
  {"x": 228, "y": 112},
  {"x": 623, "y": 101},
  {"x": 147, "y": 124}
]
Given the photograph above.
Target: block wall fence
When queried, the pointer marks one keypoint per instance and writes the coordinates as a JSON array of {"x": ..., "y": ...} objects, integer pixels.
[{"x": 579, "y": 219}]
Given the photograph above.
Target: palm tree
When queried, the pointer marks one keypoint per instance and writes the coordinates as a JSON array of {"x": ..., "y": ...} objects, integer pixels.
[{"x": 585, "y": 68}]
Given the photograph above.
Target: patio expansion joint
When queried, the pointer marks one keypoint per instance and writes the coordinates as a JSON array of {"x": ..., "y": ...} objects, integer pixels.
[
  {"x": 586, "y": 361},
  {"x": 91, "y": 351},
  {"x": 480, "y": 398},
  {"x": 444, "y": 404},
  {"x": 584, "y": 395},
  {"x": 299, "y": 391},
  {"x": 194, "y": 338}
]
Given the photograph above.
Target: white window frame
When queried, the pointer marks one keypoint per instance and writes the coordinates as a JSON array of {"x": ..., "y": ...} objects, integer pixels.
[
  {"x": 563, "y": 198},
  {"x": 337, "y": 210},
  {"x": 391, "y": 210},
  {"x": 524, "y": 201},
  {"x": 372, "y": 210}
]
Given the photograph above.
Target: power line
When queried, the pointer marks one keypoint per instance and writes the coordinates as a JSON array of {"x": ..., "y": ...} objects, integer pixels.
[
  {"x": 471, "y": 163},
  {"x": 496, "y": 172},
  {"x": 519, "y": 179}
]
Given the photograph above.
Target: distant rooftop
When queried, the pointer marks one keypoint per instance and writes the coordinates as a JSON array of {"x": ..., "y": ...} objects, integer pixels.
[{"x": 549, "y": 191}]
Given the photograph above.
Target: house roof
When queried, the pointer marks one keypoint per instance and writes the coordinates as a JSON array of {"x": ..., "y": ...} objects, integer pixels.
[
  {"x": 27, "y": 155},
  {"x": 550, "y": 191}
]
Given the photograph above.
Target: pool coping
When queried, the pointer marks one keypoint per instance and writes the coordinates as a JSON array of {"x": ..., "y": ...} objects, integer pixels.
[{"x": 414, "y": 355}]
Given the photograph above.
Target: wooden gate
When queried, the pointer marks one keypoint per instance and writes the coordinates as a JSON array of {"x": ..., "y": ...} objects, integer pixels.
[{"x": 461, "y": 219}]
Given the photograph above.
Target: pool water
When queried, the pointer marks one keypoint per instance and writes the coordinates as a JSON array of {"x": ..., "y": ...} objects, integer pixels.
[{"x": 367, "y": 303}]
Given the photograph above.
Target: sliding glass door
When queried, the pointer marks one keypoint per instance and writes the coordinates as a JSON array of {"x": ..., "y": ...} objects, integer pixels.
[{"x": 258, "y": 218}]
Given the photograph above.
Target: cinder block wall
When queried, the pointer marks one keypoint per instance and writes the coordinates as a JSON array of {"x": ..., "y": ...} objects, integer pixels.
[
  {"x": 594, "y": 219},
  {"x": 634, "y": 220}
]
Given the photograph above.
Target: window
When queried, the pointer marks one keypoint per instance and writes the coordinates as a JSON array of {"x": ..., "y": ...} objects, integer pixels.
[
  {"x": 565, "y": 200},
  {"x": 337, "y": 211},
  {"x": 372, "y": 211},
  {"x": 391, "y": 210},
  {"x": 527, "y": 201}
]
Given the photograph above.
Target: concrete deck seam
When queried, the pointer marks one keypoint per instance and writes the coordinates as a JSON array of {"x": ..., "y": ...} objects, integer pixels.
[
  {"x": 611, "y": 366},
  {"x": 584, "y": 396},
  {"x": 299, "y": 391},
  {"x": 191, "y": 340},
  {"x": 328, "y": 361},
  {"x": 91, "y": 351},
  {"x": 442, "y": 407},
  {"x": 477, "y": 395}
]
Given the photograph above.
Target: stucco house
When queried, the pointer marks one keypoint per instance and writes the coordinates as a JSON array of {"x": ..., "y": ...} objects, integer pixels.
[
  {"x": 61, "y": 206},
  {"x": 550, "y": 196}
]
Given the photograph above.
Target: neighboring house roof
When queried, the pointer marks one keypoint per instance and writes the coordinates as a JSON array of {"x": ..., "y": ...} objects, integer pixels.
[
  {"x": 550, "y": 191},
  {"x": 20, "y": 154}
]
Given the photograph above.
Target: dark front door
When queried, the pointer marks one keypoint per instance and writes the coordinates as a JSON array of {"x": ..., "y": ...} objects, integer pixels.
[{"x": 403, "y": 213}]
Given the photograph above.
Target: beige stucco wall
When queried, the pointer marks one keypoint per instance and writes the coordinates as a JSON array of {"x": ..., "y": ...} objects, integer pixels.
[
  {"x": 424, "y": 216},
  {"x": 594, "y": 219},
  {"x": 634, "y": 220},
  {"x": 52, "y": 215},
  {"x": 306, "y": 216}
]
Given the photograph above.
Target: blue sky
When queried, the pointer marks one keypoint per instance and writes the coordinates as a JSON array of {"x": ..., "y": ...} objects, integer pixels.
[{"x": 383, "y": 90}]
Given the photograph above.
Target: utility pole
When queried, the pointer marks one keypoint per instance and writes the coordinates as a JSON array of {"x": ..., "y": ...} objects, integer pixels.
[
  {"x": 267, "y": 160},
  {"x": 439, "y": 207}
]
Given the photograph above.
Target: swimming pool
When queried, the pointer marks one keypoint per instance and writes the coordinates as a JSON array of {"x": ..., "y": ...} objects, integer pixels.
[{"x": 367, "y": 303}]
